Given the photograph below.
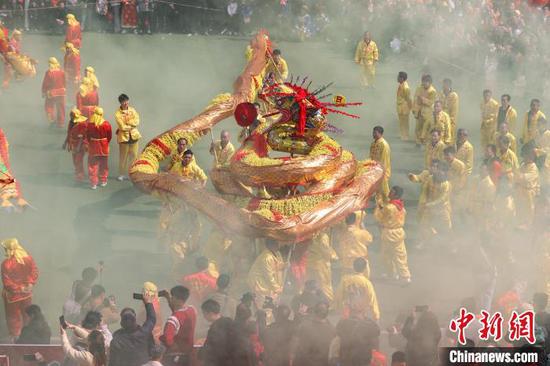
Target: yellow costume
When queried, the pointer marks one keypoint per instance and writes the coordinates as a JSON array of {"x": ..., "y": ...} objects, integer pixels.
[
  {"x": 355, "y": 291},
  {"x": 543, "y": 148},
  {"x": 280, "y": 70},
  {"x": 530, "y": 126},
  {"x": 450, "y": 106},
  {"x": 366, "y": 55},
  {"x": 489, "y": 112},
  {"x": 404, "y": 106},
  {"x": 222, "y": 156},
  {"x": 510, "y": 119},
  {"x": 318, "y": 263},
  {"x": 442, "y": 123},
  {"x": 433, "y": 152},
  {"x": 423, "y": 106},
  {"x": 353, "y": 243},
  {"x": 527, "y": 189},
  {"x": 391, "y": 220},
  {"x": 511, "y": 138},
  {"x": 265, "y": 277},
  {"x": 128, "y": 136},
  {"x": 380, "y": 152},
  {"x": 509, "y": 161},
  {"x": 465, "y": 153},
  {"x": 434, "y": 206},
  {"x": 216, "y": 250},
  {"x": 458, "y": 176},
  {"x": 483, "y": 202}
]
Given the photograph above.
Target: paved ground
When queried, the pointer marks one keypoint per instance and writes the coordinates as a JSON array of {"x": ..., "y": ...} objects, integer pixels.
[{"x": 170, "y": 78}]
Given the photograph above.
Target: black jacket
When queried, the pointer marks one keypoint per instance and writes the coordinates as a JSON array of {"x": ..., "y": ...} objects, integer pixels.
[
  {"x": 218, "y": 347},
  {"x": 36, "y": 332},
  {"x": 131, "y": 348}
]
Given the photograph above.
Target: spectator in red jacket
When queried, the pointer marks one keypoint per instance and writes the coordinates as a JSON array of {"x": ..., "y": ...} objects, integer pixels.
[
  {"x": 19, "y": 274},
  {"x": 53, "y": 91},
  {"x": 99, "y": 134}
]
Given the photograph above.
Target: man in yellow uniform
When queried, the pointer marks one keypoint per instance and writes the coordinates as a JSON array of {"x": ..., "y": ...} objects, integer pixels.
[
  {"x": 543, "y": 151},
  {"x": 177, "y": 156},
  {"x": 278, "y": 67},
  {"x": 441, "y": 122},
  {"x": 127, "y": 120},
  {"x": 434, "y": 149},
  {"x": 489, "y": 112},
  {"x": 483, "y": 198},
  {"x": 527, "y": 187},
  {"x": 458, "y": 177},
  {"x": 189, "y": 169},
  {"x": 319, "y": 256},
  {"x": 222, "y": 150},
  {"x": 404, "y": 105},
  {"x": 507, "y": 113},
  {"x": 434, "y": 205},
  {"x": 381, "y": 153},
  {"x": 366, "y": 55},
  {"x": 530, "y": 122},
  {"x": 355, "y": 293},
  {"x": 508, "y": 159},
  {"x": 503, "y": 130},
  {"x": 464, "y": 150},
  {"x": 450, "y": 101},
  {"x": 353, "y": 243},
  {"x": 423, "y": 106},
  {"x": 391, "y": 220},
  {"x": 265, "y": 277},
  {"x": 216, "y": 249}
]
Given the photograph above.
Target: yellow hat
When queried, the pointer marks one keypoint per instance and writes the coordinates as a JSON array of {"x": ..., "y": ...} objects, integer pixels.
[
  {"x": 97, "y": 117},
  {"x": 90, "y": 69},
  {"x": 70, "y": 16},
  {"x": 77, "y": 115},
  {"x": 54, "y": 64},
  {"x": 14, "y": 249},
  {"x": 16, "y": 32},
  {"x": 150, "y": 288}
]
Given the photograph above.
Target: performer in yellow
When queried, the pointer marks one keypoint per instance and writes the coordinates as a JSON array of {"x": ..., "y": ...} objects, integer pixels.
[
  {"x": 177, "y": 156},
  {"x": 381, "y": 153},
  {"x": 391, "y": 219},
  {"x": 450, "y": 101},
  {"x": 319, "y": 256},
  {"x": 457, "y": 176},
  {"x": 440, "y": 121},
  {"x": 530, "y": 122},
  {"x": 508, "y": 159},
  {"x": 464, "y": 149},
  {"x": 543, "y": 151},
  {"x": 353, "y": 243},
  {"x": 404, "y": 105},
  {"x": 423, "y": 104},
  {"x": 90, "y": 74},
  {"x": 216, "y": 250},
  {"x": 527, "y": 187},
  {"x": 507, "y": 114},
  {"x": 503, "y": 130},
  {"x": 189, "y": 169},
  {"x": 222, "y": 150},
  {"x": 265, "y": 277},
  {"x": 278, "y": 67},
  {"x": 434, "y": 149},
  {"x": 483, "y": 197},
  {"x": 356, "y": 293},
  {"x": 434, "y": 206},
  {"x": 127, "y": 120},
  {"x": 366, "y": 55},
  {"x": 489, "y": 112}
]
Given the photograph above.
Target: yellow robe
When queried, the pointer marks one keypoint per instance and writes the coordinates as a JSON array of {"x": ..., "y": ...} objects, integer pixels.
[
  {"x": 353, "y": 243},
  {"x": 465, "y": 153},
  {"x": 527, "y": 189},
  {"x": 433, "y": 152},
  {"x": 423, "y": 105},
  {"x": 216, "y": 250},
  {"x": 127, "y": 137},
  {"x": 530, "y": 127},
  {"x": 511, "y": 119},
  {"x": 442, "y": 123},
  {"x": 458, "y": 177},
  {"x": 482, "y": 202},
  {"x": 511, "y": 138},
  {"x": 509, "y": 162},
  {"x": 380, "y": 152},
  {"x": 222, "y": 156},
  {"x": 366, "y": 55},
  {"x": 450, "y": 106},
  {"x": 394, "y": 253},
  {"x": 191, "y": 171},
  {"x": 543, "y": 148},
  {"x": 489, "y": 113},
  {"x": 318, "y": 263},
  {"x": 403, "y": 106},
  {"x": 355, "y": 291},
  {"x": 265, "y": 277},
  {"x": 280, "y": 71}
]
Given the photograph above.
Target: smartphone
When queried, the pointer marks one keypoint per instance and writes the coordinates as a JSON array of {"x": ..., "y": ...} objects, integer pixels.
[
  {"x": 163, "y": 293},
  {"x": 62, "y": 322},
  {"x": 421, "y": 308},
  {"x": 30, "y": 358},
  {"x": 138, "y": 296}
]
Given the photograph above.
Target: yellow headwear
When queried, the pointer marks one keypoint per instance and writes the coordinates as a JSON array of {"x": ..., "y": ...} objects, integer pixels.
[
  {"x": 149, "y": 288},
  {"x": 16, "y": 32},
  {"x": 83, "y": 89},
  {"x": 70, "y": 46},
  {"x": 13, "y": 249},
  {"x": 54, "y": 64},
  {"x": 77, "y": 115},
  {"x": 97, "y": 117},
  {"x": 88, "y": 84},
  {"x": 71, "y": 19},
  {"x": 90, "y": 73}
]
